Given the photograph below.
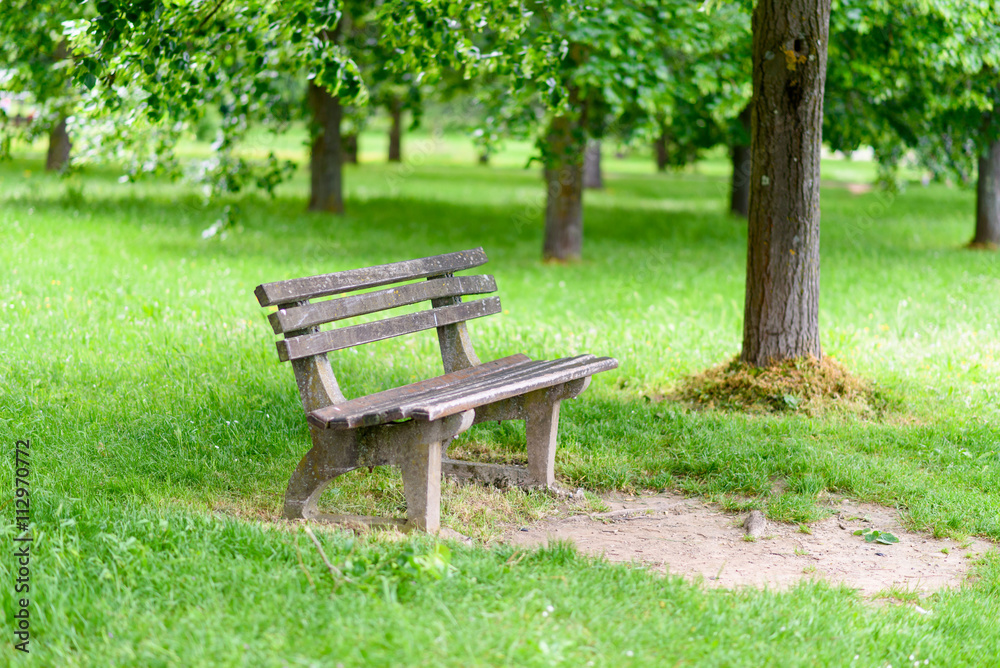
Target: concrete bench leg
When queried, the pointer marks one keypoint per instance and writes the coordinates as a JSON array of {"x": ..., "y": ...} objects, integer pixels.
[
  {"x": 332, "y": 455},
  {"x": 541, "y": 427},
  {"x": 421, "y": 466}
]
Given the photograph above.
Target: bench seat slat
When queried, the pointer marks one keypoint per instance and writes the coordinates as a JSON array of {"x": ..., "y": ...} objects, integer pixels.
[
  {"x": 459, "y": 391},
  {"x": 434, "y": 409},
  {"x": 400, "y": 409},
  {"x": 309, "y": 315},
  {"x": 345, "y": 415},
  {"x": 494, "y": 380},
  {"x": 298, "y": 289},
  {"x": 383, "y": 407},
  {"x": 369, "y": 332},
  {"x": 395, "y": 405}
]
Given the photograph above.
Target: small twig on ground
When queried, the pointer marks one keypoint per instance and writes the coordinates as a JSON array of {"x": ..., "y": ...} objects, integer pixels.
[
  {"x": 337, "y": 575},
  {"x": 298, "y": 553},
  {"x": 519, "y": 554}
]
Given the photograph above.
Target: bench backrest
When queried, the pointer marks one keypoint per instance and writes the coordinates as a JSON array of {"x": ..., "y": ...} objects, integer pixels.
[{"x": 298, "y": 317}]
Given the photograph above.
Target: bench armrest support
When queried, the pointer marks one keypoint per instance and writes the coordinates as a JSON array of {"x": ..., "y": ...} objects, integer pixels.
[
  {"x": 456, "y": 347},
  {"x": 318, "y": 386}
]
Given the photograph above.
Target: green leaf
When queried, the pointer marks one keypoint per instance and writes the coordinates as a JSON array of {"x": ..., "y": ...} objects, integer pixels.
[
  {"x": 89, "y": 80},
  {"x": 887, "y": 538}
]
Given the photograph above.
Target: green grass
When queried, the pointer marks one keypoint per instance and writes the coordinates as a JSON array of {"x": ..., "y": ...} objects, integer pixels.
[{"x": 162, "y": 424}]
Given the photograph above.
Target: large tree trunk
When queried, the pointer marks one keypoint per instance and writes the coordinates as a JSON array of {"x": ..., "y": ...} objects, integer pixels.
[
  {"x": 349, "y": 148},
  {"x": 781, "y": 316},
  {"x": 592, "y": 177},
  {"x": 57, "y": 157},
  {"x": 564, "y": 182},
  {"x": 739, "y": 192},
  {"x": 988, "y": 199},
  {"x": 662, "y": 157},
  {"x": 396, "y": 130},
  {"x": 325, "y": 156}
]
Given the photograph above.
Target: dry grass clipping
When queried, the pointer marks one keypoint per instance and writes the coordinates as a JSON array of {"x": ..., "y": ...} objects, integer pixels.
[{"x": 804, "y": 385}]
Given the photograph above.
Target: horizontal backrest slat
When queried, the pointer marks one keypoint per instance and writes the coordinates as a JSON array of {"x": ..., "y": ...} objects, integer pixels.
[
  {"x": 309, "y": 315},
  {"x": 298, "y": 289},
  {"x": 355, "y": 335}
]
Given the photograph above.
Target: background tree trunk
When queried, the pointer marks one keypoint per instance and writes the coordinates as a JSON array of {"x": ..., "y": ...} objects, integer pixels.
[
  {"x": 739, "y": 191},
  {"x": 988, "y": 198},
  {"x": 396, "y": 130},
  {"x": 484, "y": 158},
  {"x": 662, "y": 157},
  {"x": 592, "y": 177},
  {"x": 57, "y": 157},
  {"x": 325, "y": 156},
  {"x": 349, "y": 148},
  {"x": 564, "y": 183},
  {"x": 781, "y": 316}
]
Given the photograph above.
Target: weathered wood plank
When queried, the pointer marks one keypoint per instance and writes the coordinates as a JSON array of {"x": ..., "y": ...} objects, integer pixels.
[
  {"x": 397, "y": 406},
  {"x": 486, "y": 384},
  {"x": 384, "y": 407},
  {"x": 301, "y": 317},
  {"x": 435, "y": 410},
  {"x": 369, "y": 332},
  {"x": 297, "y": 289},
  {"x": 477, "y": 386},
  {"x": 400, "y": 410},
  {"x": 338, "y": 415}
]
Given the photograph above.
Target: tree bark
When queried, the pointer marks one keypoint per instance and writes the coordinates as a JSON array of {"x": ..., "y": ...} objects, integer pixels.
[
  {"x": 592, "y": 177},
  {"x": 60, "y": 145},
  {"x": 484, "y": 158},
  {"x": 564, "y": 182},
  {"x": 739, "y": 192},
  {"x": 396, "y": 130},
  {"x": 662, "y": 157},
  {"x": 988, "y": 199},
  {"x": 325, "y": 156},
  {"x": 57, "y": 158},
  {"x": 349, "y": 148},
  {"x": 781, "y": 315}
]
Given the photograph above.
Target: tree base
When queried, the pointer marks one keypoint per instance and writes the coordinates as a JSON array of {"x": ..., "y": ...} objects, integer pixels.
[
  {"x": 805, "y": 385},
  {"x": 982, "y": 245},
  {"x": 570, "y": 259}
]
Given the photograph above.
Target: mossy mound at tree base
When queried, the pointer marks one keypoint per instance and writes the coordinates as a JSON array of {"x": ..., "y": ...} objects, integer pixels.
[{"x": 804, "y": 385}]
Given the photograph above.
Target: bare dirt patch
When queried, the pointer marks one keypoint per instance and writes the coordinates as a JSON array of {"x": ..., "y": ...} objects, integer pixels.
[{"x": 686, "y": 536}]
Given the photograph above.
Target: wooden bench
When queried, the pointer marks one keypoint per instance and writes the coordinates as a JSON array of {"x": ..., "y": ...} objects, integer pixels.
[{"x": 411, "y": 426}]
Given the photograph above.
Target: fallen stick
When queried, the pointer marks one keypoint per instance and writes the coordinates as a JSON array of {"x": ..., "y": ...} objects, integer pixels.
[{"x": 335, "y": 572}]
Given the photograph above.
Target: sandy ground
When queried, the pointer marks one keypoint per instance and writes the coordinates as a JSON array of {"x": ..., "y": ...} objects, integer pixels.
[{"x": 686, "y": 536}]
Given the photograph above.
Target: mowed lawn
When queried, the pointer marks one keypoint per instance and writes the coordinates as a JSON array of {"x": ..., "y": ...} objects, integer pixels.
[{"x": 164, "y": 429}]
